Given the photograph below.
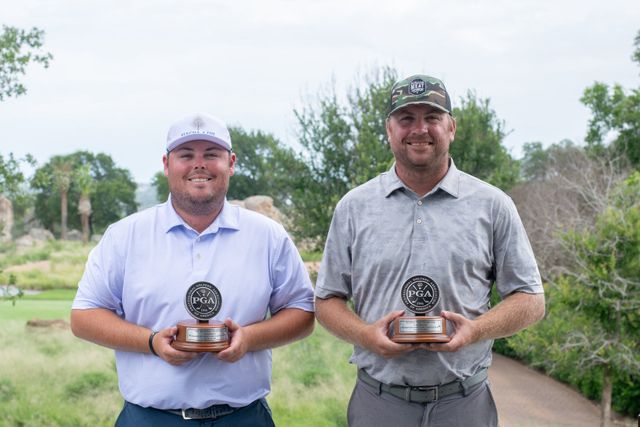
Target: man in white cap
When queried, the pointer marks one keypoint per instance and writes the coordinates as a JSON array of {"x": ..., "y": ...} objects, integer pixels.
[{"x": 132, "y": 293}]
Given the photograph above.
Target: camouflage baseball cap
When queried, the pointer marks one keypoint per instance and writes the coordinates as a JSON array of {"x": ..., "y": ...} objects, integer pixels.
[{"x": 419, "y": 89}]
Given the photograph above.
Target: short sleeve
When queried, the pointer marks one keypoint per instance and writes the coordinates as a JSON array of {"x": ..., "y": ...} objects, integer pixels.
[{"x": 334, "y": 277}]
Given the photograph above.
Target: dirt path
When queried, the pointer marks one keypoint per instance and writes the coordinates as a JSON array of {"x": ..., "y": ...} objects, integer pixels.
[
  {"x": 526, "y": 398},
  {"x": 35, "y": 265}
]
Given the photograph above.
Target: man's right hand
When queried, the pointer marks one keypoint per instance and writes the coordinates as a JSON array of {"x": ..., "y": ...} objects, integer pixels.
[
  {"x": 375, "y": 337},
  {"x": 162, "y": 345}
]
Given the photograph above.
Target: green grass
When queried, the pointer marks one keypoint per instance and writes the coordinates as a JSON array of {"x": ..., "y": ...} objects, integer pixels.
[
  {"x": 52, "y": 295},
  {"x": 25, "y": 309},
  {"x": 311, "y": 256},
  {"x": 50, "y": 378},
  {"x": 62, "y": 268},
  {"x": 312, "y": 382}
]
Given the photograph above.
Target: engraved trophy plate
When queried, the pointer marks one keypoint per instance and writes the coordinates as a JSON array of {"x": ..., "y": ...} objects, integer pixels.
[
  {"x": 203, "y": 301},
  {"x": 206, "y": 335},
  {"x": 420, "y": 294},
  {"x": 412, "y": 326}
]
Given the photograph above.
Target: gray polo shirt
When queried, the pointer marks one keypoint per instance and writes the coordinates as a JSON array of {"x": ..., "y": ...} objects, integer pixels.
[{"x": 466, "y": 235}]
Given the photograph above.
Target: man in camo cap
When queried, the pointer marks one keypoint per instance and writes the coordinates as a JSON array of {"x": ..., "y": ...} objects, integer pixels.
[{"x": 427, "y": 238}]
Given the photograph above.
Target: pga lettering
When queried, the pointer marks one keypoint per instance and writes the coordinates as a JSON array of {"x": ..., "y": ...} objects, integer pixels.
[
  {"x": 419, "y": 293},
  {"x": 195, "y": 300}
]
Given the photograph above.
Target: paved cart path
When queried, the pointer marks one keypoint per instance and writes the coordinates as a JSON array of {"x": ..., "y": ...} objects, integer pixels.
[{"x": 527, "y": 398}]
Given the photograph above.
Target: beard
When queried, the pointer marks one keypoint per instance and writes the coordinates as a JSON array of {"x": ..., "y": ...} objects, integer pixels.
[{"x": 197, "y": 206}]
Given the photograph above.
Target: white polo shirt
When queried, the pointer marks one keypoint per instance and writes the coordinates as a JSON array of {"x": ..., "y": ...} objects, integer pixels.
[{"x": 141, "y": 270}]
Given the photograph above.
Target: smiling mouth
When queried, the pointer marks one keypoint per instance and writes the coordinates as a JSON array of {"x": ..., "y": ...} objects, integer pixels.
[
  {"x": 419, "y": 143},
  {"x": 199, "y": 179}
]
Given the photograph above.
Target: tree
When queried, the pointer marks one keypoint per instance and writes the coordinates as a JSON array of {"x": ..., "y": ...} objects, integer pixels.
[
  {"x": 264, "y": 166},
  {"x": 86, "y": 187},
  {"x": 113, "y": 199},
  {"x": 478, "y": 147},
  {"x": 590, "y": 335},
  {"x": 604, "y": 291},
  {"x": 62, "y": 170},
  {"x": 161, "y": 183},
  {"x": 344, "y": 145},
  {"x": 11, "y": 176},
  {"x": 18, "y": 48},
  {"x": 617, "y": 114},
  {"x": 565, "y": 188},
  {"x": 12, "y": 186}
]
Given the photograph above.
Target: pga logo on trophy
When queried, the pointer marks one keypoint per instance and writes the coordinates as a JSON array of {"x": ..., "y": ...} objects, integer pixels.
[
  {"x": 420, "y": 294},
  {"x": 203, "y": 301}
]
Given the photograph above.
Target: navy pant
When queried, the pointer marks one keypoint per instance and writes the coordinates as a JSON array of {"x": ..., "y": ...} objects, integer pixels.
[{"x": 256, "y": 414}]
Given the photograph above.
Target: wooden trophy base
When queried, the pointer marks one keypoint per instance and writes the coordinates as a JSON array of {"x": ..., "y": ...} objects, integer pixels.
[
  {"x": 201, "y": 336},
  {"x": 419, "y": 329}
]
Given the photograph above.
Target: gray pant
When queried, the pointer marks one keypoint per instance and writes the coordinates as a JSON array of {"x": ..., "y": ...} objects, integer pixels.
[{"x": 367, "y": 408}]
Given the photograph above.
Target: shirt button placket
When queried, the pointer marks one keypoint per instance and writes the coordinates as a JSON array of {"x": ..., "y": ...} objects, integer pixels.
[{"x": 197, "y": 253}]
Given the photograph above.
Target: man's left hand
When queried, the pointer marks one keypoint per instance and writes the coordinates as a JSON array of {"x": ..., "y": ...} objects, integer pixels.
[
  {"x": 239, "y": 343},
  {"x": 463, "y": 335}
]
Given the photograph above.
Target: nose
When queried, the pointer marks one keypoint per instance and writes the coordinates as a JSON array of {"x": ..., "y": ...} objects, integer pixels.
[
  {"x": 198, "y": 162},
  {"x": 420, "y": 127}
]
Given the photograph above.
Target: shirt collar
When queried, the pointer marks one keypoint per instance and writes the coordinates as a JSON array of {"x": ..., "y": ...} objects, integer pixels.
[
  {"x": 227, "y": 218},
  {"x": 450, "y": 183}
]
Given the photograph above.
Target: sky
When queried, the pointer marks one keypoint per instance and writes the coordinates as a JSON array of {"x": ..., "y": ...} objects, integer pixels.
[{"x": 123, "y": 71}]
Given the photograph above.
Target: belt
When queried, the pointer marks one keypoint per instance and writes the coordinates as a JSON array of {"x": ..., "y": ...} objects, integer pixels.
[
  {"x": 425, "y": 394},
  {"x": 213, "y": 412}
]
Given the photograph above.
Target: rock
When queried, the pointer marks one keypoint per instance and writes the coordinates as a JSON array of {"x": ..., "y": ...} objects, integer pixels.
[
  {"x": 6, "y": 219},
  {"x": 48, "y": 323},
  {"x": 27, "y": 241},
  {"x": 74, "y": 235},
  {"x": 96, "y": 237},
  {"x": 263, "y": 205},
  {"x": 29, "y": 220},
  {"x": 41, "y": 234}
]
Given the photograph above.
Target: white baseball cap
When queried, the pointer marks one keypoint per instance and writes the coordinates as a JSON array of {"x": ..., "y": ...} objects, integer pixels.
[{"x": 198, "y": 127}]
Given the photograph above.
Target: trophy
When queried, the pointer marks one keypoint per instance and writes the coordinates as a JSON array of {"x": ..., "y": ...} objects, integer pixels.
[
  {"x": 203, "y": 301},
  {"x": 419, "y": 294}
]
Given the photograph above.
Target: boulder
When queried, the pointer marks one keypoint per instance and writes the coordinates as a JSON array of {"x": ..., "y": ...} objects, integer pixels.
[
  {"x": 27, "y": 241},
  {"x": 74, "y": 235},
  {"x": 263, "y": 205},
  {"x": 41, "y": 234},
  {"x": 6, "y": 219}
]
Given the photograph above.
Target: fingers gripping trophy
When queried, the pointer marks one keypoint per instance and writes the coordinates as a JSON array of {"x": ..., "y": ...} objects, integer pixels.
[
  {"x": 420, "y": 294},
  {"x": 203, "y": 301}
]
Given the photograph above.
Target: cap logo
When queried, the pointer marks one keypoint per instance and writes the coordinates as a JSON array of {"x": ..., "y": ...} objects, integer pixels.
[
  {"x": 417, "y": 87},
  {"x": 197, "y": 123}
]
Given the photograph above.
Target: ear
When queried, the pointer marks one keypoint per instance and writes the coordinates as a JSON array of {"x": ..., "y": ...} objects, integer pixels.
[
  {"x": 388, "y": 127},
  {"x": 452, "y": 127},
  {"x": 165, "y": 162},
  {"x": 232, "y": 163}
]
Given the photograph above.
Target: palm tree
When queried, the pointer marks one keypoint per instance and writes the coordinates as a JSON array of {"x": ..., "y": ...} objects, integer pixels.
[
  {"x": 62, "y": 175},
  {"x": 86, "y": 185}
]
